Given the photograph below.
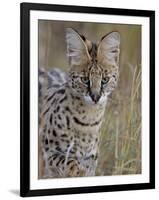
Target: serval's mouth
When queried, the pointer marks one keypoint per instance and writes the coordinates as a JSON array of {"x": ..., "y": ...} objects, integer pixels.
[{"x": 99, "y": 101}]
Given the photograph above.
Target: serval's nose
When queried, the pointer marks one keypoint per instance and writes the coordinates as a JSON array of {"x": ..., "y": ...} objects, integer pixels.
[{"x": 95, "y": 96}]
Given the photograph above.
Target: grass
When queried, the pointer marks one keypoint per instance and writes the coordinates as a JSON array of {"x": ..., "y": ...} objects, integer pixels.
[{"x": 120, "y": 146}]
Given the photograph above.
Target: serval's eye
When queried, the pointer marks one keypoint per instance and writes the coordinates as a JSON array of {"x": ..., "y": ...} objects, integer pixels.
[
  {"x": 105, "y": 80},
  {"x": 85, "y": 80}
]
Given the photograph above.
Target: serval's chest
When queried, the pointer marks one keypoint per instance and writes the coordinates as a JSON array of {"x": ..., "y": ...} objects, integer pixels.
[{"x": 68, "y": 116}]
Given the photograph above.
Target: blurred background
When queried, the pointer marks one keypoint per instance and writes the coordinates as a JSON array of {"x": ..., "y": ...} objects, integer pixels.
[{"x": 120, "y": 146}]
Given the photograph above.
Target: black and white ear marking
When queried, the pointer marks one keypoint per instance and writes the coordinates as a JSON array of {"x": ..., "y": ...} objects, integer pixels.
[
  {"x": 109, "y": 48},
  {"x": 76, "y": 48}
]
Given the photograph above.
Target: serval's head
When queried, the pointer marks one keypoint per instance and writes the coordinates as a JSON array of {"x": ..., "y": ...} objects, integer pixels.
[{"x": 94, "y": 67}]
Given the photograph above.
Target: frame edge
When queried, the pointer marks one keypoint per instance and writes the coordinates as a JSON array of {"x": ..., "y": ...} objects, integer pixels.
[{"x": 24, "y": 101}]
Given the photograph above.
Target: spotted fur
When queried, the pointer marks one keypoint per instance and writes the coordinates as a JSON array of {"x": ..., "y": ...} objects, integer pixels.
[{"x": 72, "y": 106}]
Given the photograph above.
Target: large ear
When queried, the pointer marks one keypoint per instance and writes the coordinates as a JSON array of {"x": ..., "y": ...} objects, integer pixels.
[
  {"x": 76, "y": 48},
  {"x": 109, "y": 49}
]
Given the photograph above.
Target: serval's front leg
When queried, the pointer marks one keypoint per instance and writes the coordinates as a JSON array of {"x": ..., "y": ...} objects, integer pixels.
[{"x": 58, "y": 166}]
